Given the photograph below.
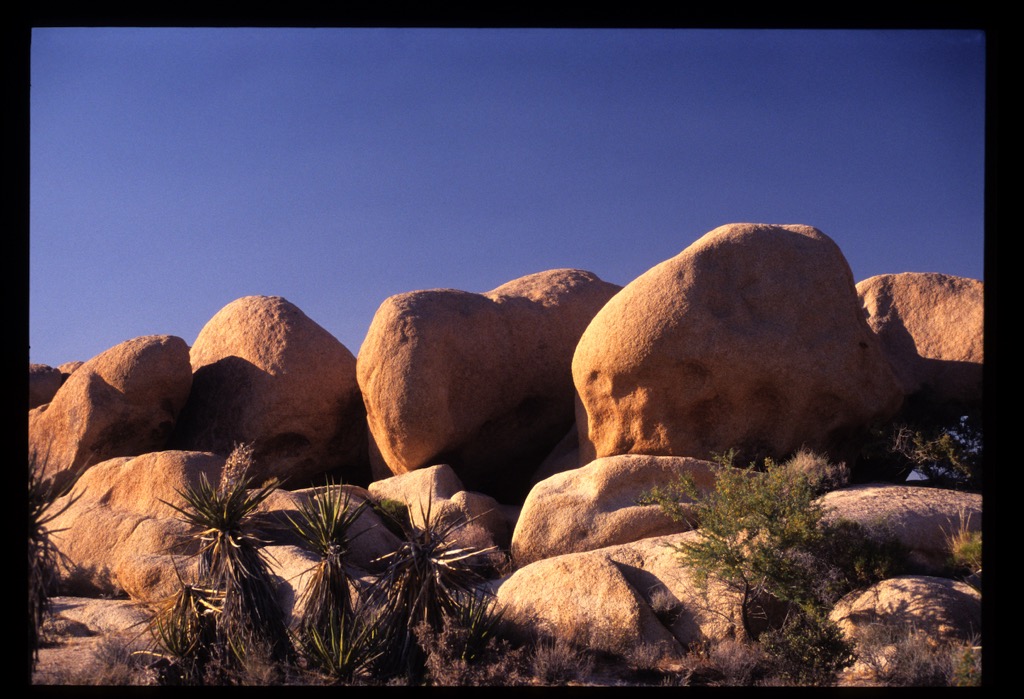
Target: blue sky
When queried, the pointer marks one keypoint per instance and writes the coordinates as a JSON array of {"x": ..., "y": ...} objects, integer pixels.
[{"x": 173, "y": 171}]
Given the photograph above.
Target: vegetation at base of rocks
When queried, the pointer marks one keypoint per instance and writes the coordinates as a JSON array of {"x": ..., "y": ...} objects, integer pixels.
[
  {"x": 808, "y": 649},
  {"x": 765, "y": 537},
  {"x": 239, "y": 595},
  {"x": 393, "y": 513},
  {"x": 964, "y": 546},
  {"x": 430, "y": 579},
  {"x": 43, "y": 556},
  {"x": 902, "y": 656},
  {"x": 324, "y": 523}
]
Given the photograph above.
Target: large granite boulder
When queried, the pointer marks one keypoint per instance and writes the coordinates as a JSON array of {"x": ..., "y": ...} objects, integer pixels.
[
  {"x": 119, "y": 534},
  {"x": 481, "y": 382},
  {"x": 752, "y": 338},
  {"x": 931, "y": 328},
  {"x": 598, "y": 505},
  {"x": 43, "y": 382},
  {"x": 922, "y": 519},
  {"x": 585, "y": 600},
  {"x": 122, "y": 402},
  {"x": 623, "y": 596},
  {"x": 267, "y": 375},
  {"x": 945, "y": 610}
]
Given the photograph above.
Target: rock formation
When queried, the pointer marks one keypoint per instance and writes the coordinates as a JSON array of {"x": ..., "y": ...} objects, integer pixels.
[
  {"x": 122, "y": 402},
  {"x": 43, "y": 382},
  {"x": 752, "y": 338},
  {"x": 481, "y": 382},
  {"x": 597, "y": 505},
  {"x": 266, "y": 374},
  {"x": 931, "y": 328}
]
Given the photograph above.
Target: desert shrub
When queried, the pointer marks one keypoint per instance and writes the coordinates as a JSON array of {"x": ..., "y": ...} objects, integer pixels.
[
  {"x": 738, "y": 664},
  {"x": 902, "y": 656},
  {"x": 241, "y": 591},
  {"x": 964, "y": 547},
  {"x": 809, "y": 649},
  {"x": 765, "y": 537},
  {"x": 559, "y": 661},
  {"x": 854, "y": 556},
  {"x": 822, "y": 474},
  {"x": 757, "y": 528}
]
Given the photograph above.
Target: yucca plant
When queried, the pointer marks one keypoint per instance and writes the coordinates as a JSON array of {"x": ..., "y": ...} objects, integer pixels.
[
  {"x": 43, "y": 556},
  {"x": 427, "y": 579},
  {"x": 478, "y": 619},
  {"x": 249, "y": 617},
  {"x": 341, "y": 647},
  {"x": 324, "y": 523},
  {"x": 184, "y": 633}
]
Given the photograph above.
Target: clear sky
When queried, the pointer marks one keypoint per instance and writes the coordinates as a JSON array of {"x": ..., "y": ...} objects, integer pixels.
[{"x": 173, "y": 171}]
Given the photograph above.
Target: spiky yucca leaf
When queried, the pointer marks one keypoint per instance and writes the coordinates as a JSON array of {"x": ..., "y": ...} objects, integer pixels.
[
  {"x": 249, "y": 615},
  {"x": 324, "y": 523},
  {"x": 426, "y": 579},
  {"x": 342, "y": 647},
  {"x": 479, "y": 618},
  {"x": 184, "y": 631}
]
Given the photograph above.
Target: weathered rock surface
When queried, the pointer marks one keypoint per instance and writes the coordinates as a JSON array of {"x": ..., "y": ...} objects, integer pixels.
[
  {"x": 584, "y": 599},
  {"x": 921, "y": 518},
  {"x": 43, "y": 382},
  {"x": 623, "y": 595},
  {"x": 752, "y": 338},
  {"x": 123, "y": 402},
  {"x": 67, "y": 368},
  {"x": 931, "y": 328},
  {"x": 942, "y": 608},
  {"x": 596, "y": 505},
  {"x": 266, "y": 374},
  {"x": 478, "y": 381},
  {"x": 118, "y": 533}
]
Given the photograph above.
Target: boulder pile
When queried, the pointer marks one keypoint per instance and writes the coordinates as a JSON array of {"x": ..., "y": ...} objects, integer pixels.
[{"x": 538, "y": 414}]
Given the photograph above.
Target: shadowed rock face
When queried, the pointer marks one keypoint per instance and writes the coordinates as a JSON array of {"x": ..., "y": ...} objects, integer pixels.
[
  {"x": 122, "y": 402},
  {"x": 931, "y": 328},
  {"x": 941, "y": 608},
  {"x": 752, "y": 338},
  {"x": 265, "y": 373},
  {"x": 481, "y": 382},
  {"x": 43, "y": 382}
]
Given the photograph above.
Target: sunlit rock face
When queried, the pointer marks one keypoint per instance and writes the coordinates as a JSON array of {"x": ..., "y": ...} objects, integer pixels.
[
  {"x": 752, "y": 338},
  {"x": 124, "y": 401},
  {"x": 267, "y": 374},
  {"x": 932, "y": 331},
  {"x": 481, "y": 382}
]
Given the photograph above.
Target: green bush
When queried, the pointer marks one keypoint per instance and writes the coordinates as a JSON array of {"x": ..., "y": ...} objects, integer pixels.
[
  {"x": 765, "y": 537},
  {"x": 809, "y": 649}
]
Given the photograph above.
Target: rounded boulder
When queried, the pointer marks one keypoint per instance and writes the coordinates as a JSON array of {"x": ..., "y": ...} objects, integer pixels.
[
  {"x": 478, "y": 381},
  {"x": 265, "y": 374},
  {"x": 753, "y": 338}
]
